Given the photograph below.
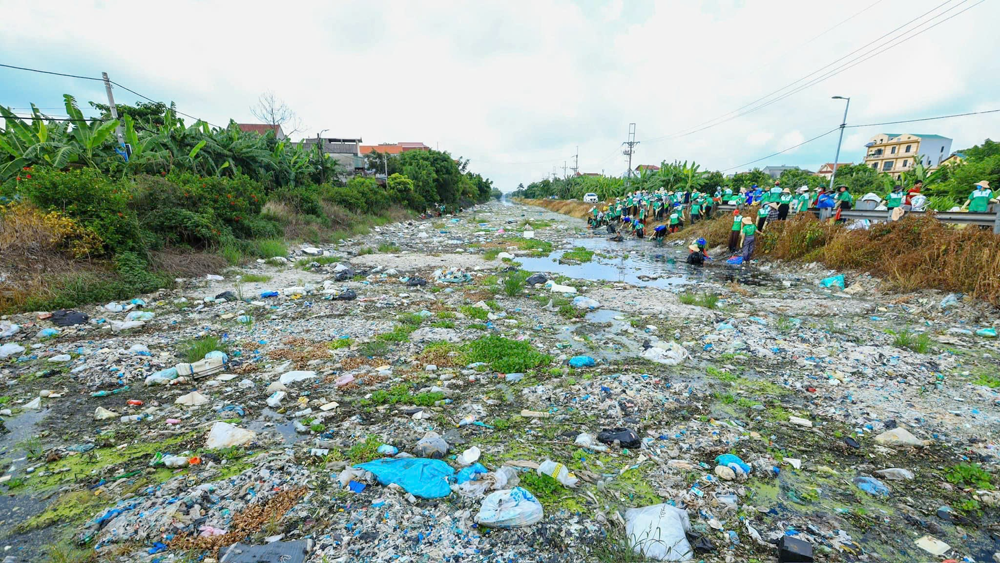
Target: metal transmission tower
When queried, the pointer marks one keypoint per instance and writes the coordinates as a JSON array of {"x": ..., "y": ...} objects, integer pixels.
[{"x": 629, "y": 151}]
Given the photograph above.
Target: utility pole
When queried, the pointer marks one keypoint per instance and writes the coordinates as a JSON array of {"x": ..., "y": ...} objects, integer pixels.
[
  {"x": 629, "y": 151},
  {"x": 119, "y": 132},
  {"x": 322, "y": 157},
  {"x": 564, "y": 171},
  {"x": 843, "y": 124},
  {"x": 385, "y": 167},
  {"x": 576, "y": 162}
]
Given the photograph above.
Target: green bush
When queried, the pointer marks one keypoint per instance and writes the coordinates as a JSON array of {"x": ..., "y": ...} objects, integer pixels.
[
  {"x": 361, "y": 195},
  {"x": 98, "y": 203},
  {"x": 504, "y": 355},
  {"x": 305, "y": 200}
]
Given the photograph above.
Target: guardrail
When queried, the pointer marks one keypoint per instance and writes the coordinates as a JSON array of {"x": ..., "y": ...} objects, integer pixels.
[{"x": 977, "y": 219}]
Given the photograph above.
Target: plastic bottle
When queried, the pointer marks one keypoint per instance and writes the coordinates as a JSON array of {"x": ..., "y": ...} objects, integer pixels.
[{"x": 558, "y": 472}]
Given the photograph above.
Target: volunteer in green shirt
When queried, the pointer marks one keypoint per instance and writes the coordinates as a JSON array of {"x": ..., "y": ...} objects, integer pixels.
[
  {"x": 784, "y": 204},
  {"x": 801, "y": 201},
  {"x": 895, "y": 198},
  {"x": 748, "y": 238},
  {"x": 695, "y": 210},
  {"x": 762, "y": 213},
  {"x": 675, "y": 221},
  {"x": 734, "y": 234},
  {"x": 657, "y": 208},
  {"x": 980, "y": 198},
  {"x": 845, "y": 200}
]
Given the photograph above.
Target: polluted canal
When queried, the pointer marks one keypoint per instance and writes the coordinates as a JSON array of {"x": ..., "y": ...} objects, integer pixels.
[{"x": 503, "y": 385}]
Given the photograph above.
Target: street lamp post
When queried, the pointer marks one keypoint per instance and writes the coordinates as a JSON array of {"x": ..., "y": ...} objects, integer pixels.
[{"x": 842, "y": 126}]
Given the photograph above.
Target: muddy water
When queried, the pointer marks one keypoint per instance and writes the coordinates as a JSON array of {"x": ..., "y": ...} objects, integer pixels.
[{"x": 641, "y": 263}]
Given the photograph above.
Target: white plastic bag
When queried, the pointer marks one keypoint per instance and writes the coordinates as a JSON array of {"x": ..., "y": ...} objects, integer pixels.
[
  {"x": 668, "y": 353},
  {"x": 510, "y": 508},
  {"x": 658, "y": 532},
  {"x": 225, "y": 435},
  {"x": 558, "y": 472}
]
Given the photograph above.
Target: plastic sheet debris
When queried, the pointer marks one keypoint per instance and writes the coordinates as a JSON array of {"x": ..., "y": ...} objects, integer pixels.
[
  {"x": 387, "y": 450},
  {"x": 509, "y": 508},
  {"x": 285, "y": 552},
  {"x": 431, "y": 445},
  {"x": 626, "y": 438},
  {"x": 556, "y": 288},
  {"x": 192, "y": 399},
  {"x": 68, "y": 318},
  {"x": 590, "y": 442},
  {"x": 162, "y": 377},
  {"x": 733, "y": 462},
  {"x": 139, "y": 316},
  {"x": 582, "y": 362},
  {"x": 202, "y": 368},
  {"x": 559, "y": 472},
  {"x": 898, "y": 437},
  {"x": 896, "y": 474},
  {"x": 659, "y": 532},
  {"x": 296, "y": 376},
  {"x": 102, "y": 413},
  {"x": 8, "y": 330},
  {"x": 34, "y": 405},
  {"x": 421, "y": 477},
  {"x": 10, "y": 349},
  {"x": 872, "y": 486},
  {"x": 950, "y": 300},
  {"x": 225, "y": 435},
  {"x": 469, "y": 456},
  {"x": 932, "y": 545},
  {"x": 833, "y": 281},
  {"x": 581, "y": 302},
  {"x": 667, "y": 353},
  {"x": 536, "y": 279},
  {"x": 989, "y": 332},
  {"x": 47, "y": 333}
]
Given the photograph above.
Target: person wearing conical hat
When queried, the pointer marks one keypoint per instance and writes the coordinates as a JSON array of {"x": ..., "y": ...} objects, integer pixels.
[
  {"x": 980, "y": 199},
  {"x": 784, "y": 203},
  {"x": 748, "y": 238}
]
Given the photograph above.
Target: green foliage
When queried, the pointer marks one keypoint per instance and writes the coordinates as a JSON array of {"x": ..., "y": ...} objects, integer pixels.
[
  {"x": 254, "y": 278},
  {"x": 707, "y": 300},
  {"x": 363, "y": 452},
  {"x": 513, "y": 283},
  {"x": 340, "y": 343},
  {"x": 504, "y": 355},
  {"x": 579, "y": 254},
  {"x": 195, "y": 349},
  {"x": 985, "y": 379},
  {"x": 474, "y": 312},
  {"x": 969, "y": 475},
  {"x": 721, "y": 375},
  {"x": 374, "y": 348},
  {"x": 906, "y": 338},
  {"x": 269, "y": 248},
  {"x": 401, "y": 394}
]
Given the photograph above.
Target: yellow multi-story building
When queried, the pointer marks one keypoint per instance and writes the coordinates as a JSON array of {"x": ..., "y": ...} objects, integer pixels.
[{"x": 896, "y": 153}]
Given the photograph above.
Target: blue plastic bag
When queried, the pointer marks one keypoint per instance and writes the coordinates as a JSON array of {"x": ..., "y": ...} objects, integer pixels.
[
  {"x": 833, "y": 281},
  {"x": 730, "y": 460},
  {"x": 735, "y": 261},
  {"x": 582, "y": 362},
  {"x": 872, "y": 486},
  {"x": 421, "y": 477},
  {"x": 471, "y": 473}
]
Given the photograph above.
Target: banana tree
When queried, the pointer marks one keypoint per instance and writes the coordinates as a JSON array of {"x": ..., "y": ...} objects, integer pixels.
[{"x": 89, "y": 135}]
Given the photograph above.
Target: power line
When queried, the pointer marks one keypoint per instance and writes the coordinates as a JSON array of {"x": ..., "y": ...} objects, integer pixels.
[
  {"x": 147, "y": 98},
  {"x": 51, "y": 72},
  {"x": 783, "y": 150},
  {"x": 68, "y": 119},
  {"x": 925, "y": 119},
  {"x": 719, "y": 120}
]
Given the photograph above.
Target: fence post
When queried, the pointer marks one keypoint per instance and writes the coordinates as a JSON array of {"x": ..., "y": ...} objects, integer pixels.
[{"x": 996, "y": 223}]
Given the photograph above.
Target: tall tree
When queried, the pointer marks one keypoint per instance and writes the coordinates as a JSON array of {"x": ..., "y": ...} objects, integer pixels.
[{"x": 275, "y": 112}]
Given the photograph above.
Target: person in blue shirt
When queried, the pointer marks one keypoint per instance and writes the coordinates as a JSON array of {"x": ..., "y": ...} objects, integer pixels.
[
  {"x": 758, "y": 194},
  {"x": 825, "y": 202}
]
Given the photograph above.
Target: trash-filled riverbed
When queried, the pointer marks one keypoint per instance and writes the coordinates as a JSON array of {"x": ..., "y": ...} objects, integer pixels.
[{"x": 503, "y": 384}]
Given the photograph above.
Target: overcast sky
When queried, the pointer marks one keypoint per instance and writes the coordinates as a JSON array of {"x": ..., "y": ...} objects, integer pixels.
[{"x": 516, "y": 86}]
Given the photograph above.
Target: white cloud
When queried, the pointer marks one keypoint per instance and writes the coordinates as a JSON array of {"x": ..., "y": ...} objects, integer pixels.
[{"x": 517, "y": 85}]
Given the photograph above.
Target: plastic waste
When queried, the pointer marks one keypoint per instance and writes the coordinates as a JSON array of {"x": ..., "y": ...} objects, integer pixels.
[
  {"x": 558, "y": 472},
  {"x": 509, "y": 508},
  {"x": 626, "y": 438},
  {"x": 735, "y": 261},
  {"x": 535, "y": 279},
  {"x": 794, "y": 550},
  {"x": 898, "y": 437},
  {"x": 590, "y": 442},
  {"x": 8, "y": 330},
  {"x": 118, "y": 326},
  {"x": 47, "y": 333},
  {"x": 667, "y": 353},
  {"x": 471, "y": 473},
  {"x": 10, "y": 349},
  {"x": 932, "y": 545},
  {"x": 296, "y": 376},
  {"x": 833, "y": 281},
  {"x": 386, "y": 449},
  {"x": 104, "y": 414},
  {"x": 175, "y": 461},
  {"x": 581, "y": 302},
  {"x": 556, "y": 288},
  {"x": 424, "y": 478},
  {"x": 659, "y": 532},
  {"x": 274, "y": 401},
  {"x": 60, "y": 358},
  {"x": 469, "y": 456},
  {"x": 192, "y": 399},
  {"x": 949, "y": 300},
  {"x": 162, "y": 377},
  {"x": 284, "y": 551},
  {"x": 267, "y": 294},
  {"x": 431, "y": 445},
  {"x": 989, "y": 332},
  {"x": 139, "y": 350},
  {"x": 63, "y": 317},
  {"x": 201, "y": 368},
  {"x": 140, "y": 316},
  {"x": 872, "y": 486},
  {"x": 225, "y": 435},
  {"x": 582, "y": 362},
  {"x": 733, "y": 462},
  {"x": 896, "y": 474}
]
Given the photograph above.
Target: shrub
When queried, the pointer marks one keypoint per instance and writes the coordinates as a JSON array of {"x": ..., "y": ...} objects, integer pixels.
[{"x": 504, "y": 355}]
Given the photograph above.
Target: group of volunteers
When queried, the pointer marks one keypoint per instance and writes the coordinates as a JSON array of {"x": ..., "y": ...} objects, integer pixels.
[{"x": 629, "y": 215}]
